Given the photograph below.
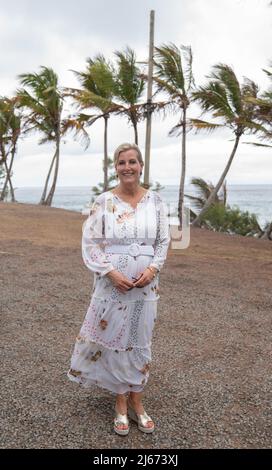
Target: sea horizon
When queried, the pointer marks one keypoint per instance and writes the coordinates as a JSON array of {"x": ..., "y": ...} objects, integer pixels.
[
  {"x": 176, "y": 185},
  {"x": 255, "y": 198}
]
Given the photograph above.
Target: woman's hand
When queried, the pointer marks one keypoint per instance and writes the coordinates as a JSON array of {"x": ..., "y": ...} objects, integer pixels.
[
  {"x": 145, "y": 278},
  {"x": 120, "y": 281}
]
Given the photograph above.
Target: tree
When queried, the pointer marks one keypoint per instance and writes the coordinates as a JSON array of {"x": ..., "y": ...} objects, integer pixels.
[
  {"x": 203, "y": 191},
  {"x": 226, "y": 99},
  {"x": 220, "y": 216},
  {"x": 264, "y": 116},
  {"x": 97, "y": 92},
  {"x": 129, "y": 87},
  {"x": 42, "y": 102},
  {"x": 10, "y": 128},
  {"x": 174, "y": 76},
  {"x": 263, "y": 113}
]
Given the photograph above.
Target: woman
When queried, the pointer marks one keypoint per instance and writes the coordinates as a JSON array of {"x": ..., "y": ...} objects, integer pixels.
[{"x": 125, "y": 242}]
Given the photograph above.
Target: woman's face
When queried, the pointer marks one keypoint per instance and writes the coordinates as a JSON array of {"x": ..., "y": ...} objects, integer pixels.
[{"x": 128, "y": 167}]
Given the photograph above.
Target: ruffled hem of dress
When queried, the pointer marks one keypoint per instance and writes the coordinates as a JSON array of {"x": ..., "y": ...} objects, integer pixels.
[{"x": 118, "y": 373}]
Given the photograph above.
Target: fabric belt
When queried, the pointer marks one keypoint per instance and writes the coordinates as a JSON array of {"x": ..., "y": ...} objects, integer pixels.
[{"x": 133, "y": 250}]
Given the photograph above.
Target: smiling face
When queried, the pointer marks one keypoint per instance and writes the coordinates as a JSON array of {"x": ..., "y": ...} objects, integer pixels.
[{"x": 128, "y": 167}]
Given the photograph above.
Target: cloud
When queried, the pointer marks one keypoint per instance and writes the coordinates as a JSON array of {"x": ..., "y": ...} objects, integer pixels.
[{"x": 63, "y": 34}]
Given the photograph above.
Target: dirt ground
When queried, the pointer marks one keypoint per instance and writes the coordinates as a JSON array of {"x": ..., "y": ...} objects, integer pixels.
[{"x": 210, "y": 380}]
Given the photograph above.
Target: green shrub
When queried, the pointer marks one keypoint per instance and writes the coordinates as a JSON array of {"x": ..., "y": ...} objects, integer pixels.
[{"x": 232, "y": 220}]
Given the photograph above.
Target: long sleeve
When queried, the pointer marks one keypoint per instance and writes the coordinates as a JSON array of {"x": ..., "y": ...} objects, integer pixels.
[
  {"x": 163, "y": 238},
  {"x": 93, "y": 240}
]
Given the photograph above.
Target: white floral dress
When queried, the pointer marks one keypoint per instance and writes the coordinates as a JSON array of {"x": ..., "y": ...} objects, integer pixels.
[{"x": 113, "y": 348}]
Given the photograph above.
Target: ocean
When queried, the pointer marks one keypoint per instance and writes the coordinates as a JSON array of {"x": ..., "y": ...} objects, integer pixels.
[{"x": 253, "y": 198}]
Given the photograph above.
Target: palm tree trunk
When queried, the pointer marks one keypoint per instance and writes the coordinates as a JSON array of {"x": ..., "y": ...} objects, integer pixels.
[
  {"x": 10, "y": 168},
  {"x": 211, "y": 198},
  {"x": 3, "y": 192},
  {"x": 11, "y": 191},
  {"x": 8, "y": 173},
  {"x": 42, "y": 201},
  {"x": 135, "y": 131},
  {"x": 50, "y": 196},
  {"x": 106, "y": 163},
  {"x": 3, "y": 160},
  {"x": 8, "y": 181},
  {"x": 183, "y": 169}
]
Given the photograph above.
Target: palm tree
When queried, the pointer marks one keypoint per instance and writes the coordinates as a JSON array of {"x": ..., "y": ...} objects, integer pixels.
[
  {"x": 203, "y": 191},
  {"x": 97, "y": 93},
  {"x": 129, "y": 87},
  {"x": 42, "y": 100},
  {"x": 264, "y": 116},
  {"x": 174, "y": 76},
  {"x": 263, "y": 113},
  {"x": 10, "y": 128},
  {"x": 220, "y": 216},
  {"x": 227, "y": 100}
]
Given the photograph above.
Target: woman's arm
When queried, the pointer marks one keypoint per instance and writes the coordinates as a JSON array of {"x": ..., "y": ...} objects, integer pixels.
[
  {"x": 93, "y": 240},
  {"x": 163, "y": 238}
]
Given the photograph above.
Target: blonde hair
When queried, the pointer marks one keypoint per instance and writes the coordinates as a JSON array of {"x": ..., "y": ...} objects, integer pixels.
[{"x": 127, "y": 146}]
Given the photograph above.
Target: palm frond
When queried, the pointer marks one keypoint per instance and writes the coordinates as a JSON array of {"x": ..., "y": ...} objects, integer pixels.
[
  {"x": 252, "y": 126},
  {"x": 99, "y": 77},
  {"x": 163, "y": 85},
  {"x": 224, "y": 74},
  {"x": 198, "y": 124},
  {"x": 10, "y": 125},
  {"x": 203, "y": 191},
  {"x": 258, "y": 101},
  {"x": 129, "y": 85},
  {"x": 213, "y": 97},
  {"x": 188, "y": 69},
  {"x": 203, "y": 187},
  {"x": 168, "y": 66},
  {"x": 198, "y": 201},
  {"x": 268, "y": 72},
  {"x": 87, "y": 99},
  {"x": 249, "y": 88},
  {"x": 257, "y": 144},
  {"x": 77, "y": 126},
  {"x": 35, "y": 107},
  {"x": 267, "y": 95}
]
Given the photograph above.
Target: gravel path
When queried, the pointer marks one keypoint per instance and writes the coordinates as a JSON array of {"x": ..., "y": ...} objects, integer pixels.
[{"x": 210, "y": 380}]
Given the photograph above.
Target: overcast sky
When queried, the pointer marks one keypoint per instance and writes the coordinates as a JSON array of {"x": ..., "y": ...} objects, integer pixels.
[{"x": 62, "y": 34}]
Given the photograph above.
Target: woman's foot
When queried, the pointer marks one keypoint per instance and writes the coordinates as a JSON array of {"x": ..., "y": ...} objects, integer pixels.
[
  {"x": 121, "y": 424},
  {"x": 138, "y": 414}
]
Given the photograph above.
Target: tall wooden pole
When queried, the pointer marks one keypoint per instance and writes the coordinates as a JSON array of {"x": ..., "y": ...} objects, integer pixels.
[{"x": 149, "y": 103}]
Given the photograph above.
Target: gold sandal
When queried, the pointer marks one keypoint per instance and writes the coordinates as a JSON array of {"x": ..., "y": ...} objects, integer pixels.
[
  {"x": 141, "y": 420},
  {"x": 121, "y": 420}
]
